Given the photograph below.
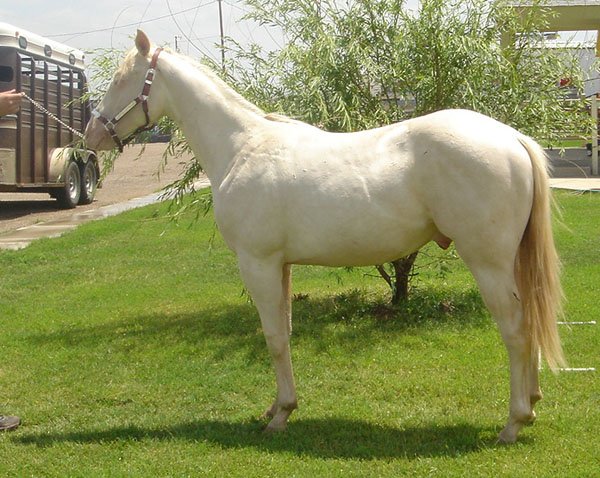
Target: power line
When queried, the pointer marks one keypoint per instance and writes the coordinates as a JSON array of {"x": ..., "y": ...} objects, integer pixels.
[
  {"x": 99, "y": 30},
  {"x": 112, "y": 30},
  {"x": 172, "y": 15},
  {"x": 250, "y": 35},
  {"x": 192, "y": 26},
  {"x": 222, "y": 36},
  {"x": 145, "y": 11}
]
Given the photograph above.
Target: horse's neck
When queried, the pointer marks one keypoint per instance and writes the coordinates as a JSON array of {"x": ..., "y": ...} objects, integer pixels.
[{"x": 214, "y": 119}]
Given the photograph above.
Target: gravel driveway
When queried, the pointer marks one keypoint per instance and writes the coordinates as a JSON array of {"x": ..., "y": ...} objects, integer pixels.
[{"x": 133, "y": 176}]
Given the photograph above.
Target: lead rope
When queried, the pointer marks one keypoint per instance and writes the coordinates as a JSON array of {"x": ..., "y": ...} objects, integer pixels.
[{"x": 53, "y": 116}]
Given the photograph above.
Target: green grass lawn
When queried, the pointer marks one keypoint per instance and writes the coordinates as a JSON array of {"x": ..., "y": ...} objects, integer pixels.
[{"x": 129, "y": 349}]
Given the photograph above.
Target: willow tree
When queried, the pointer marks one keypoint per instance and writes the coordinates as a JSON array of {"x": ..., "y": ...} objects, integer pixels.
[{"x": 350, "y": 65}]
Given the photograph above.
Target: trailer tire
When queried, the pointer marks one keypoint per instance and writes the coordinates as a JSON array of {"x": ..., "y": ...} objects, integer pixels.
[
  {"x": 68, "y": 195},
  {"x": 89, "y": 183}
]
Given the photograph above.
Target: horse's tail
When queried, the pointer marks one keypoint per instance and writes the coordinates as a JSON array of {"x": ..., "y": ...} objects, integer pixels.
[{"x": 538, "y": 267}]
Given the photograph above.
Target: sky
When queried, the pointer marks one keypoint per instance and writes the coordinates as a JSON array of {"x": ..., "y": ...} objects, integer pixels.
[{"x": 93, "y": 24}]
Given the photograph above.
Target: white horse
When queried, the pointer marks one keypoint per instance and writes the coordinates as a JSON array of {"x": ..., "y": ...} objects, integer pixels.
[{"x": 289, "y": 193}]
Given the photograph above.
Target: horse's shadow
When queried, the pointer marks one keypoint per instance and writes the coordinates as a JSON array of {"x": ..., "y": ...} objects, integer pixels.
[
  {"x": 315, "y": 324},
  {"x": 328, "y": 438}
]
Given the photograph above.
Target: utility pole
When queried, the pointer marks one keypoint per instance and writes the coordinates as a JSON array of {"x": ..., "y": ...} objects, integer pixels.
[
  {"x": 177, "y": 37},
  {"x": 222, "y": 36}
]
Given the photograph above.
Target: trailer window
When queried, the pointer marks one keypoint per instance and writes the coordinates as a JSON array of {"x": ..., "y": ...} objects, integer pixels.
[{"x": 7, "y": 74}]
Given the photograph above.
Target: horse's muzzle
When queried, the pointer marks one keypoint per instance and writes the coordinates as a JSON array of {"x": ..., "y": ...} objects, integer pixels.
[{"x": 97, "y": 137}]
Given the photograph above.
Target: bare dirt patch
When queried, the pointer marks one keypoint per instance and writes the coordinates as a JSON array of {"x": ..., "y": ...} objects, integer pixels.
[{"x": 133, "y": 176}]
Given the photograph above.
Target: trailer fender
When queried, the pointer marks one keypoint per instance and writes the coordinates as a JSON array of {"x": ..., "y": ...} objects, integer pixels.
[{"x": 61, "y": 157}]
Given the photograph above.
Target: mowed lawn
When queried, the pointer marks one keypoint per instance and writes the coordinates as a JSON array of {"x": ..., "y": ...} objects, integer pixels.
[{"x": 129, "y": 348}]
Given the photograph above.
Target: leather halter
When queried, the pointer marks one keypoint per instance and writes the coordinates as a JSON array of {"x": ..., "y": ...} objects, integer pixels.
[{"x": 109, "y": 124}]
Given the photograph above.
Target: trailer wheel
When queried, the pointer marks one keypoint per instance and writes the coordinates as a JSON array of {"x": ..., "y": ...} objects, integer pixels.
[
  {"x": 68, "y": 195},
  {"x": 89, "y": 183}
]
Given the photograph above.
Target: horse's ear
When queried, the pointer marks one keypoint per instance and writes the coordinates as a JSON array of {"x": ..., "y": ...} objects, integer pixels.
[{"x": 142, "y": 43}]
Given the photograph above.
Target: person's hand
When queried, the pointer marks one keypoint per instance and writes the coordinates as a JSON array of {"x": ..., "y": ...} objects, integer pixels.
[{"x": 10, "y": 102}]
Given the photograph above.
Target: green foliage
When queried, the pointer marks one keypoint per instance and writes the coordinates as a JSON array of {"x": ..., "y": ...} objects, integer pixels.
[
  {"x": 104, "y": 62},
  {"x": 326, "y": 72},
  {"x": 351, "y": 65}
]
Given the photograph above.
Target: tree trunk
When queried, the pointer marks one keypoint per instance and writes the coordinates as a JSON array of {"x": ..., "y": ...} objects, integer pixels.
[{"x": 401, "y": 276}]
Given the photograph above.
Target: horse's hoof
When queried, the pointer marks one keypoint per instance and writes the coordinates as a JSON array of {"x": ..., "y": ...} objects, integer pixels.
[
  {"x": 275, "y": 427},
  {"x": 507, "y": 437}
]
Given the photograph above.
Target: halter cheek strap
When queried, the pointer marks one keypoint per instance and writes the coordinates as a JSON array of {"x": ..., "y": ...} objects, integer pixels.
[{"x": 142, "y": 98}]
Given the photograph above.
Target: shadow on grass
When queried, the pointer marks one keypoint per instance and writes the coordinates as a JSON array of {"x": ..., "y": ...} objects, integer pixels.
[
  {"x": 350, "y": 320},
  {"x": 328, "y": 438}
]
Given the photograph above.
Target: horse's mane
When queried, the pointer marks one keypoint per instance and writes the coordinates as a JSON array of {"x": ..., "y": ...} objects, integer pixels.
[
  {"x": 225, "y": 89},
  {"x": 126, "y": 65},
  {"x": 129, "y": 60}
]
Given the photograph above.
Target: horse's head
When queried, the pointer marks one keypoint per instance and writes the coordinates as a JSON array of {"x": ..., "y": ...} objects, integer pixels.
[{"x": 128, "y": 106}]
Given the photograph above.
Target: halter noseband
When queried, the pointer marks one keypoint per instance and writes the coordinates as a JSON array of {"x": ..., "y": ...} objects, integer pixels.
[{"x": 142, "y": 99}]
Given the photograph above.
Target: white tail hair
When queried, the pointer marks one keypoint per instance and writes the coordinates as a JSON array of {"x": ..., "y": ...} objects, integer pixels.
[{"x": 538, "y": 267}]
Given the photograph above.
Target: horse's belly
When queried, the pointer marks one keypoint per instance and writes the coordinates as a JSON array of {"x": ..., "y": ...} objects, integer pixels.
[{"x": 346, "y": 248}]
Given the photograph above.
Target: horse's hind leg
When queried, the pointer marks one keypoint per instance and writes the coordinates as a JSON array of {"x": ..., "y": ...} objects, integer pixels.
[
  {"x": 499, "y": 291},
  {"x": 269, "y": 284}
]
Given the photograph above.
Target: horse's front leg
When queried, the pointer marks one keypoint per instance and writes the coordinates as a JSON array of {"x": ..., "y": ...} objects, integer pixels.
[{"x": 268, "y": 281}]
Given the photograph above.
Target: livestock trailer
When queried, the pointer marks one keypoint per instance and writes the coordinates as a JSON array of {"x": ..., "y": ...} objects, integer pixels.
[{"x": 39, "y": 149}]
